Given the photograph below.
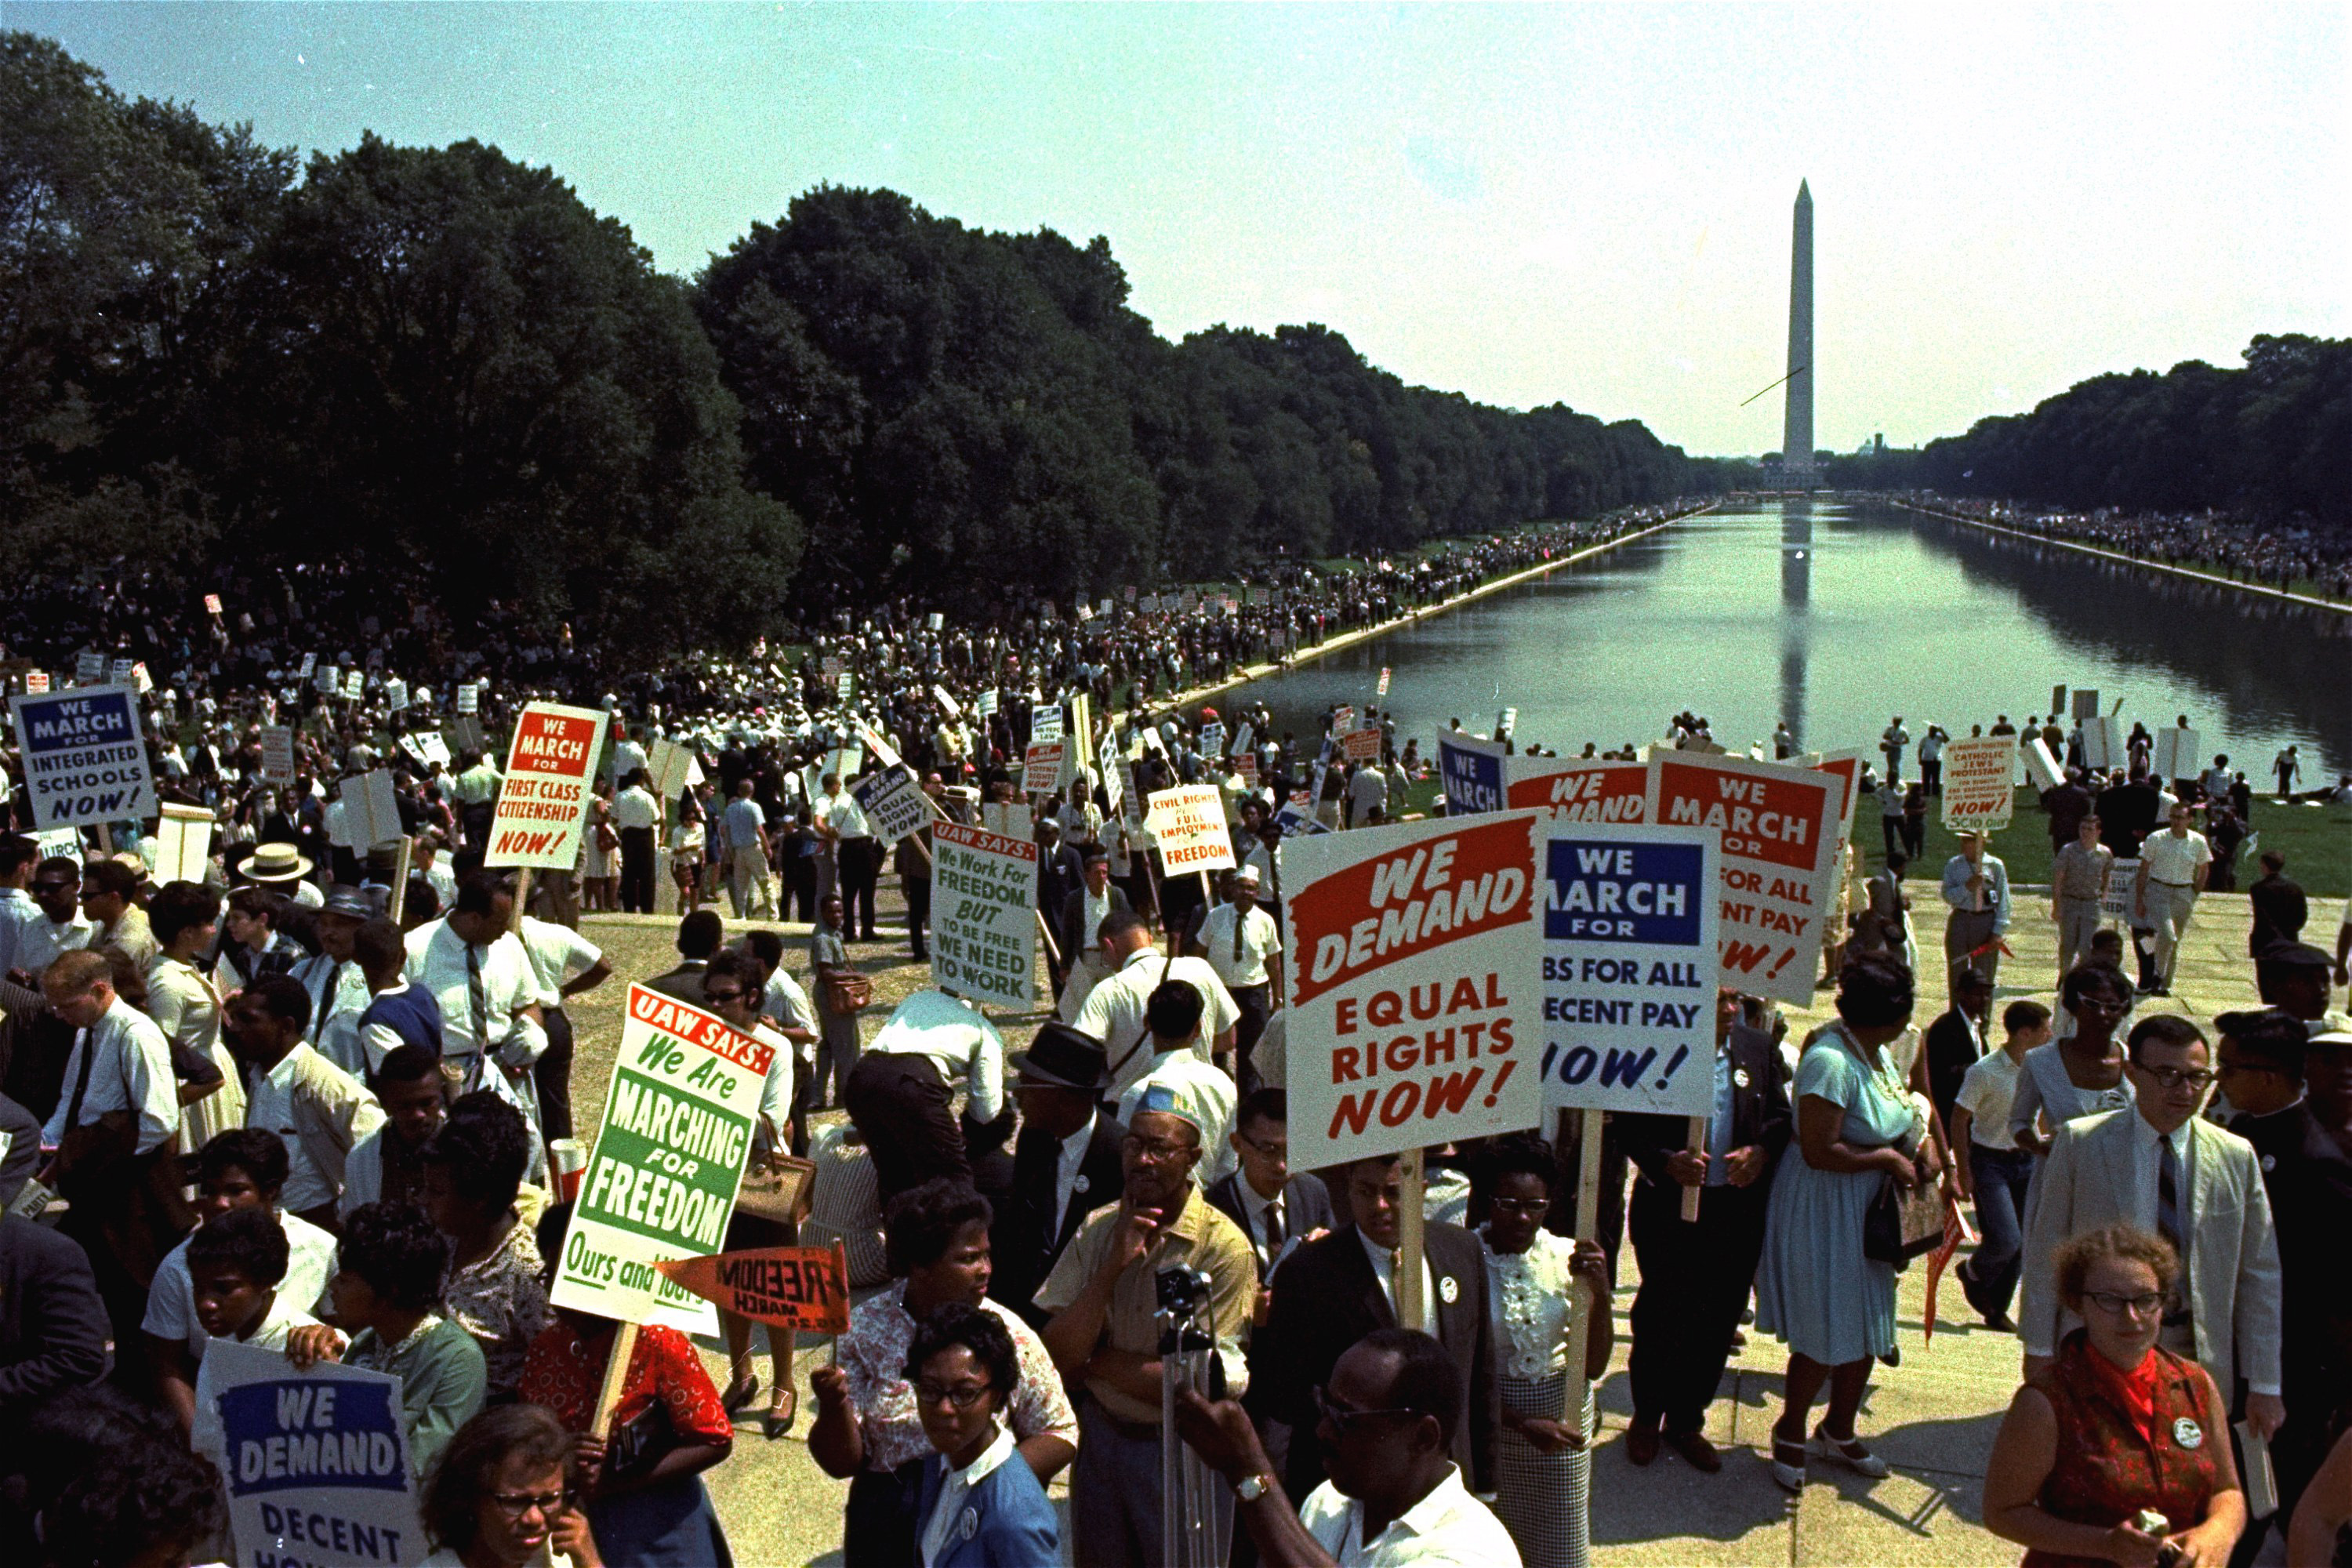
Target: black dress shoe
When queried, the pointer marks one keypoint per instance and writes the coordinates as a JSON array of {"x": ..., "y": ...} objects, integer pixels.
[
  {"x": 1696, "y": 1452},
  {"x": 1640, "y": 1444},
  {"x": 2001, "y": 1322}
]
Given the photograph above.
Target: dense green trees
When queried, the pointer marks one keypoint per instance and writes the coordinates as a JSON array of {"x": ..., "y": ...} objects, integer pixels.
[{"x": 2271, "y": 440}]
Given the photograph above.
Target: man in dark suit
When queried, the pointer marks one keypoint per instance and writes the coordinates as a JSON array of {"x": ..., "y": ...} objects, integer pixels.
[
  {"x": 1065, "y": 1163},
  {"x": 1696, "y": 1274},
  {"x": 1328, "y": 1294},
  {"x": 2278, "y": 904},
  {"x": 1956, "y": 1039},
  {"x": 1273, "y": 1207},
  {"x": 1060, "y": 873},
  {"x": 699, "y": 935},
  {"x": 1072, "y": 929},
  {"x": 53, "y": 1327}
]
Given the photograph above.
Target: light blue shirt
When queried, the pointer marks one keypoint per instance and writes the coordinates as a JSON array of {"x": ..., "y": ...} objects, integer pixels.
[
  {"x": 1718, "y": 1124},
  {"x": 744, "y": 821},
  {"x": 1996, "y": 890}
]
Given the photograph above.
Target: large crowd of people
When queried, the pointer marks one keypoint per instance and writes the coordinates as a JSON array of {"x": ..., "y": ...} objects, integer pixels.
[
  {"x": 2305, "y": 556},
  {"x": 292, "y": 1098}
]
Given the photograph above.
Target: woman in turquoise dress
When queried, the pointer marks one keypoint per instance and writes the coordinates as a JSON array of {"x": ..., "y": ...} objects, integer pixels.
[{"x": 1832, "y": 1306}]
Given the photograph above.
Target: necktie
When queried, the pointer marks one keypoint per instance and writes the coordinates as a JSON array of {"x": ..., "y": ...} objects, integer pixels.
[
  {"x": 1274, "y": 1235},
  {"x": 477, "y": 998},
  {"x": 334, "y": 989},
  {"x": 2167, "y": 1205},
  {"x": 1239, "y": 920}
]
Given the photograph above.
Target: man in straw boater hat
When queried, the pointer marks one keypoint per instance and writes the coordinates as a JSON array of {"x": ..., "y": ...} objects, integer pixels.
[
  {"x": 1065, "y": 1163},
  {"x": 283, "y": 867}
]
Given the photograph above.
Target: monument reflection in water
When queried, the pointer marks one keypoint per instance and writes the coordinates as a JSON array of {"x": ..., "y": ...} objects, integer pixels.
[{"x": 1872, "y": 611}]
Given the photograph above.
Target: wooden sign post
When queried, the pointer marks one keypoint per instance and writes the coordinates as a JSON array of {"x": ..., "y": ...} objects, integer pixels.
[
  {"x": 1587, "y": 1228},
  {"x": 1410, "y": 1246},
  {"x": 1697, "y": 1145}
]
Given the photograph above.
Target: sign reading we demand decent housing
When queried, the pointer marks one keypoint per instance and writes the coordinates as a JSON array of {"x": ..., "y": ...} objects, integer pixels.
[
  {"x": 661, "y": 1182},
  {"x": 543, "y": 804},
  {"x": 1415, "y": 985}
]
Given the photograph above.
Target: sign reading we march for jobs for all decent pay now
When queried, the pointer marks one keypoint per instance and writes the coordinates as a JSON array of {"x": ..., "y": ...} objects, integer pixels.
[
  {"x": 543, "y": 804},
  {"x": 662, "y": 1180},
  {"x": 1415, "y": 967},
  {"x": 85, "y": 759}
]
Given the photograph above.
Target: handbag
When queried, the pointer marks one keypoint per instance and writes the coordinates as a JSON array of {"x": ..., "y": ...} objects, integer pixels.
[
  {"x": 847, "y": 990},
  {"x": 780, "y": 1192},
  {"x": 638, "y": 1444},
  {"x": 1898, "y": 1225}
]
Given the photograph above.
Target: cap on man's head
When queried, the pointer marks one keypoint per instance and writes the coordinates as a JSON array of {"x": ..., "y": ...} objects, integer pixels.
[
  {"x": 1177, "y": 1101},
  {"x": 1246, "y": 877}
]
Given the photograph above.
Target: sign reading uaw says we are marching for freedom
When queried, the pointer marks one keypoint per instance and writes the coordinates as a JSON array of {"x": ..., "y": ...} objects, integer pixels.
[{"x": 662, "y": 1180}]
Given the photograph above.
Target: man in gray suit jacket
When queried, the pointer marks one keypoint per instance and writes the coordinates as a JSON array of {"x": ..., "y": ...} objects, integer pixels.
[{"x": 2161, "y": 1167}]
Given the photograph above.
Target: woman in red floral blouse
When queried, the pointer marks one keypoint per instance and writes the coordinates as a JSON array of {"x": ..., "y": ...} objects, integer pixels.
[
  {"x": 2116, "y": 1429},
  {"x": 656, "y": 1516}
]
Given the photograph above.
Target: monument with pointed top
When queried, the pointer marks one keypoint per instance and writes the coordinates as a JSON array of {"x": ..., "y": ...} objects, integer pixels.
[{"x": 1797, "y": 426}]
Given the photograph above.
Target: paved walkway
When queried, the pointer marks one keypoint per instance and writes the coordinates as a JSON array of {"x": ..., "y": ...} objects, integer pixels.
[{"x": 1933, "y": 1417}]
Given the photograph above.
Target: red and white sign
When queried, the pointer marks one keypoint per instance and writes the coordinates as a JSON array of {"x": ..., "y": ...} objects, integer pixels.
[
  {"x": 212, "y": 603},
  {"x": 1779, "y": 827},
  {"x": 36, "y": 681},
  {"x": 1361, "y": 745},
  {"x": 1188, "y": 823},
  {"x": 1385, "y": 680},
  {"x": 1041, "y": 770},
  {"x": 1978, "y": 793},
  {"x": 543, "y": 804},
  {"x": 1578, "y": 789},
  {"x": 1414, "y": 958}
]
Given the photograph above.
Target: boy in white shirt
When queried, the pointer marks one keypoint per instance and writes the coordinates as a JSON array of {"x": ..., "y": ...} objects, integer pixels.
[
  {"x": 236, "y": 1264},
  {"x": 1995, "y": 1171}
]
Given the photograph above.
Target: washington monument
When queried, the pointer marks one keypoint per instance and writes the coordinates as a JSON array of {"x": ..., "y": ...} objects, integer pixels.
[{"x": 1796, "y": 430}]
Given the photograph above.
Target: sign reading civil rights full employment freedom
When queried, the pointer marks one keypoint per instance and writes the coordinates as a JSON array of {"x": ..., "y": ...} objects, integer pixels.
[
  {"x": 661, "y": 1179},
  {"x": 85, "y": 760}
]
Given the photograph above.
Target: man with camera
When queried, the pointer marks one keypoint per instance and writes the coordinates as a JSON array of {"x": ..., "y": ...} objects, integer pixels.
[{"x": 1105, "y": 1297}]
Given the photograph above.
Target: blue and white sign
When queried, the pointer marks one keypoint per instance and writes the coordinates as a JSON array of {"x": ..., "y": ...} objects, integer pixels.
[
  {"x": 893, "y": 804},
  {"x": 85, "y": 762},
  {"x": 1470, "y": 771},
  {"x": 1629, "y": 967},
  {"x": 316, "y": 1462}
]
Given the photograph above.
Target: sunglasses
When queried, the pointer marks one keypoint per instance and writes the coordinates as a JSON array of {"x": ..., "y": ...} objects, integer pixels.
[{"x": 1343, "y": 1419}]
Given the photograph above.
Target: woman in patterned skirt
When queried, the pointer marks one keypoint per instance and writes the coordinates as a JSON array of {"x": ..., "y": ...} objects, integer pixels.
[{"x": 1543, "y": 1470}]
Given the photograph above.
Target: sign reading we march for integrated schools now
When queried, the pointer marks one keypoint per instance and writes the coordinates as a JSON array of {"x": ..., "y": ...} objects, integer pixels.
[
  {"x": 543, "y": 804},
  {"x": 85, "y": 760},
  {"x": 983, "y": 914},
  {"x": 1779, "y": 827},
  {"x": 661, "y": 1179},
  {"x": 1629, "y": 959},
  {"x": 316, "y": 1462},
  {"x": 1415, "y": 966}
]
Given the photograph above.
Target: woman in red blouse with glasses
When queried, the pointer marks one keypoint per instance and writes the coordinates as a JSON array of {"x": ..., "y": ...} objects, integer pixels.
[{"x": 2116, "y": 1429}]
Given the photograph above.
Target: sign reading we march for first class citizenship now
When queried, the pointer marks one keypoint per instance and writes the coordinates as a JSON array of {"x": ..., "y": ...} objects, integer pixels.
[
  {"x": 85, "y": 760},
  {"x": 543, "y": 804},
  {"x": 661, "y": 1179}
]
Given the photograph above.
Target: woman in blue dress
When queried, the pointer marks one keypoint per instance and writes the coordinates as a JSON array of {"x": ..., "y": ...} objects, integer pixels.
[{"x": 1833, "y": 1306}]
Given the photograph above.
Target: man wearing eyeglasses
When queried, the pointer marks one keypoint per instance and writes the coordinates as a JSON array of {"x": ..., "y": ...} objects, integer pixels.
[
  {"x": 2158, "y": 1166},
  {"x": 1103, "y": 1297}
]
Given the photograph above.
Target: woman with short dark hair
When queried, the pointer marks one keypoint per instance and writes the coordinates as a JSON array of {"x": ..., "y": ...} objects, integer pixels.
[
  {"x": 506, "y": 1494},
  {"x": 977, "y": 1507},
  {"x": 472, "y": 1170},
  {"x": 1857, "y": 1129}
]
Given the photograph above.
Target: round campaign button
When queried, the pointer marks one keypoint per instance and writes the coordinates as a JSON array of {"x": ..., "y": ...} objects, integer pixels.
[
  {"x": 1449, "y": 1290},
  {"x": 1739, "y": 1076},
  {"x": 2188, "y": 1434},
  {"x": 2270, "y": 1162},
  {"x": 1080, "y": 1184}
]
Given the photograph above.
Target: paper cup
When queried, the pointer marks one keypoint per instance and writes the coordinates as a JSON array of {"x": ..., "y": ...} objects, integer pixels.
[{"x": 568, "y": 1159}]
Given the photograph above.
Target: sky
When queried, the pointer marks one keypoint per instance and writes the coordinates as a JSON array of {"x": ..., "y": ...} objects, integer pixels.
[{"x": 1586, "y": 203}]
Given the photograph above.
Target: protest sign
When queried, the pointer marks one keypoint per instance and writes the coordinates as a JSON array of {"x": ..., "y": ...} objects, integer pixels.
[
  {"x": 84, "y": 760},
  {"x": 212, "y": 603},
  {"x": 2175, "y": 755},
  {"x": 985, "y": 704},
  {"x": 1298, "y": 820},
  {"x": 1113, "y": 768},
  {"x": 309, "y": 664},
  {"x": 1362, "y": 745},
  {"x": 661, "y": 1179},
  {"x": 804, "y": 1288},
  {"x": 1189, "y": 824},
  {"x": 937, "y": 620},
  {"x": 1343, "y": 719},
  {"x": 36, "y": 681},
  {"x": 1245, "y": 769},
  {"x": 396, "y": 695},
  {"x": 1044, "y": 724},
  {"x": 469, "y": 697},
  {"x": 844, "y": 687},
  {"x": 1041, "y": 768},
  {"x": 140, "y": 678},
  {"x": 1384, "y": 681},
  {"x": 1628, "y": 959},
  {"x": 1413, "y": 955},
  {"x": 327, "y": 680},
  {"x": 2042, "y": 770},
  {"x": 675, "y": 769},
  {"x": 983, "y": 914},
  {"x": 1244, "y": 739},
  {"x": 876, "y": 746},
  {"x": 184, "y": 844},
  {"x": 368, "y": 814},
  {"x": 2116, "y": 903},
  {"x": 90, "y": 668},
  {"x": 463, "y": 733},
  {"x": 426, "y": 745},
  {"x": 118, "y": 671},
  {"x": 2086, "y": 704},
  {"x": 1977, "y": 795},
  {"x": 354, "y": 685},
  {"x": 1008, "y": 820},
  {"x": 2100, "y": 749},
  {"x": 278, "y": 754},
  {"x": 893, "y": 804},
  {"x": 1470, "y": 772},
  {"x": 1213, "y": 740},
  {"x": 831, "y": 667},
  {"x": 543, "y": 804},
  {"x": 1578, "y": 790},
  {"x": 1779, "y": 860},
  {"x": 316, "y": 1462},
  {"x": 954, "y": 709}
]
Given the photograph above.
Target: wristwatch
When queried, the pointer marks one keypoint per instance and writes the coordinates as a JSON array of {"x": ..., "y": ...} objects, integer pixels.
[{"x": 1249, "y": 1488}]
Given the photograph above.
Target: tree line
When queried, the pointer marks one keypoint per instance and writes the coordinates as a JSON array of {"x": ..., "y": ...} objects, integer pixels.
[
  {"x": 442, "y": 363},
  {"x": 2270, "y": 441}
]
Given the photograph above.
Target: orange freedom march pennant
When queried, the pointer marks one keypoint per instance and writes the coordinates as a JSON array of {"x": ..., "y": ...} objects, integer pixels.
[
  {"x": 543, "y": 804},
  {"x": 1416, "y": 989},
  {"x": 1780, "y": 827},
  {"x": 805, "y": 1289}
]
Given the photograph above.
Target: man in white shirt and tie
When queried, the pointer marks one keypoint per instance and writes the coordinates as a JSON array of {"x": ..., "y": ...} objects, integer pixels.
[
  {"x": 1244, "y": 945},
  {"x": 480, "y": 976},
  {"x": 337, "y": 985},
  {"x": 843, "y": 823},
  {"x": 2158, "y": 1166},
  {"x": 1274, "y": 1206}
]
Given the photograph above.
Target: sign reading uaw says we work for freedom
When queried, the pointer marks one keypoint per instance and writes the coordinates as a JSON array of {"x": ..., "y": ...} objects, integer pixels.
[
  {"x": 85, "y": 762},
  {"x": 662, "y": 1180},
  {"x": 543, "y": 804},
  {"x": 1415, "y": 989}
]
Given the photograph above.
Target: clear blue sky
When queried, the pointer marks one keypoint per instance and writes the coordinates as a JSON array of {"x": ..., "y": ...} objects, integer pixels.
[{"x": 1587, "y": 203}]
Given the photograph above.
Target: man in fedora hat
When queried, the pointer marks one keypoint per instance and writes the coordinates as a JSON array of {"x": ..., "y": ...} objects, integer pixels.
[
  {"x": 1065, "y": 1163},
  {"x": 335, "y": 982}
]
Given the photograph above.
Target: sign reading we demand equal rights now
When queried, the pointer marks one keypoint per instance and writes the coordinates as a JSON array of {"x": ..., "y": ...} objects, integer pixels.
[{"x": 543, "y": 804}]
